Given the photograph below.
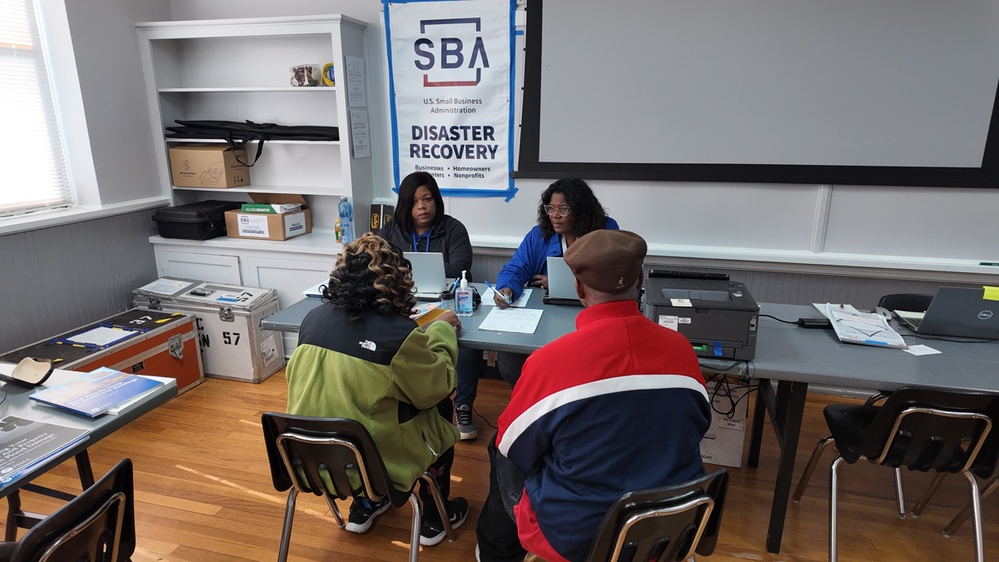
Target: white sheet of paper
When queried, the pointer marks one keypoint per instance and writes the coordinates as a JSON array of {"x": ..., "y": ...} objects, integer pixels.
[
  {"x": 165, "y": 286},
  {"x": 921, "y": 350},
  {"x": 357, "y": 95},
  {"x": 487, "y": 299},
  {"x": 522, "y": 320},
  {"x": 101, "y": 336},
  {"x": 359, "y": 133}
]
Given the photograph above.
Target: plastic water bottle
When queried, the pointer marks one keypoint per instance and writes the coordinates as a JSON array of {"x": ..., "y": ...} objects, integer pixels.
[
  {"x": 346, "y": 221},
  {"x": 463, "y": 298}
]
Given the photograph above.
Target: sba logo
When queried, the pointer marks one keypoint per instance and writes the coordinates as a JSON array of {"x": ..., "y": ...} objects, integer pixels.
[{"x": 453, "y": 60}]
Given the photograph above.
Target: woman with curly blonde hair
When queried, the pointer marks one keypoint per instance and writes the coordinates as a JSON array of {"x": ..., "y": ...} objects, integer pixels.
[{"x": 361, "y": 356}]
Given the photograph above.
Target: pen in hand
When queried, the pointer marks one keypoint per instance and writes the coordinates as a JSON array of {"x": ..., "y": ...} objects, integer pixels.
[{"x": 496, "y": 291}]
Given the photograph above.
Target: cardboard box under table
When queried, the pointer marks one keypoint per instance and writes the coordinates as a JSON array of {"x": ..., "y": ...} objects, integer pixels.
[
  {"x": 136, "y": 341},
  {"x": 228, "y": 321},
  {"x": 725, "y": 440},
  {"x": 270, "y": 226}
]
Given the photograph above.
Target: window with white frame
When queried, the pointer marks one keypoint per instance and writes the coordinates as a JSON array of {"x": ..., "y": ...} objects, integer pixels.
[{"x": 33, "y": 170}]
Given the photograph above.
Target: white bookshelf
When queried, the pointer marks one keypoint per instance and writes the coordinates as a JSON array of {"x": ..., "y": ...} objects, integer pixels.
[{"x": 237, "y": 70}]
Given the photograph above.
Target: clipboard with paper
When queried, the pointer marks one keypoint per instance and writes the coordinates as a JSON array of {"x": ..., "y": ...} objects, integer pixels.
[{"x": 865, "y": 328}]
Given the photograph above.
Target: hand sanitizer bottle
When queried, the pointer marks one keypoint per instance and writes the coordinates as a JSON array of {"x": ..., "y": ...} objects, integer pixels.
[{"x": 463, "y": 298}]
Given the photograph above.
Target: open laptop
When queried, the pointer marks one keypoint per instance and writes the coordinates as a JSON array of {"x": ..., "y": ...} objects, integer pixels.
[
  {"x": 429, "y": 279},
  {"x": 956, "y": 311},
  {"x": 561, "y": 283}
]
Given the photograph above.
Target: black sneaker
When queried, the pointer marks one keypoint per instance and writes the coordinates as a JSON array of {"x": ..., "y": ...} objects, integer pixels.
[
  {"x": 465, "y": 422},
  {"x": 363, "y": 513},
  {"x": 432, "y": 531}
]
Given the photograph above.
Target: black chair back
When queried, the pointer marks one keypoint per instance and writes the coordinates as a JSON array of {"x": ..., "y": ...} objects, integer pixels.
[
  {"x": 933, "y": 430},
  {"x": 663, "y": 524},
  {"x": 96, "y": 526},
  {"x": 326, "y": 456}
]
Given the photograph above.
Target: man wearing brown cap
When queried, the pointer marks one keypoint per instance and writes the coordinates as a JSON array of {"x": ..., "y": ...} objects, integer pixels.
[{"x": 616, "y": 406}]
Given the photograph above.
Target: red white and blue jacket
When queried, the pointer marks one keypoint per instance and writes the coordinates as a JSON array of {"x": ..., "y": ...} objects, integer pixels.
[{"x": 616, "y": 406}]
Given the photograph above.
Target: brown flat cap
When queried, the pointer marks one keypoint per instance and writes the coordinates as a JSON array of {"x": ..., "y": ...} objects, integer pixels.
[{"x": 607, "y": 260}]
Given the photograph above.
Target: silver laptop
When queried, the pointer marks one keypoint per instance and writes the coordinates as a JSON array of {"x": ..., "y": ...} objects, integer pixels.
[
  {"x": 957, "y": 311},
  {"x": 428, "y": 274},
  {"x": 561, "y": 283}
]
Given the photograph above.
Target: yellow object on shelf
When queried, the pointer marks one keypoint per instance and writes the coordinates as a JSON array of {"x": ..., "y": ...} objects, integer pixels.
[{"x": 328, "y": 78}]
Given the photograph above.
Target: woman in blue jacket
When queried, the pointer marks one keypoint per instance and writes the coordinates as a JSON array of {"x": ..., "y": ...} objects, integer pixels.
[{"x": 568, "y": 210}]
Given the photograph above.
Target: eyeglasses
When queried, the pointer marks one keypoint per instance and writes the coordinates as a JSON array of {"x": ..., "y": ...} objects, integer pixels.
[{"x": 560, "y": 211}]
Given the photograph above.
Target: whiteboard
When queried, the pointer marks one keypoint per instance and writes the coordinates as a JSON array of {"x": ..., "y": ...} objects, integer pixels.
[{"x": 890, "y": 92}]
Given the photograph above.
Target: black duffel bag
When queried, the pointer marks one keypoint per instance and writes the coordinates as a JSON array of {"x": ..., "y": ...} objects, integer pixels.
[{"x": 238, "y": 133}]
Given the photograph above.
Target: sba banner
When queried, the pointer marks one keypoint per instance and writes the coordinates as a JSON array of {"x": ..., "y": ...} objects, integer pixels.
[{"x": 451, "y": 88}]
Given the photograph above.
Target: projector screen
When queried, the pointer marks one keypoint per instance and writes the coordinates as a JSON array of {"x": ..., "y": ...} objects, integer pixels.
[{"x": 862, "y": 92}]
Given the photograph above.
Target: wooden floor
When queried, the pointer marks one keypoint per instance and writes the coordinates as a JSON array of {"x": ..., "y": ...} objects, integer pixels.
[{"x": 204, "y": 493}]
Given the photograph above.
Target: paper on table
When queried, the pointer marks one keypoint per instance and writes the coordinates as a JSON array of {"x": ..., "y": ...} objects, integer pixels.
[
  {"x": 867, "y": 328},
  {"x": 101, "y": 336},
  {"x": 166, "y": 286},
  {"x": 487, "y": 298},
  {"x": 124, "y": 405},
  {"x": 912, "y": 315},
  {"x": 523, "y": 320},
  {"x": 921, "y": 350}
]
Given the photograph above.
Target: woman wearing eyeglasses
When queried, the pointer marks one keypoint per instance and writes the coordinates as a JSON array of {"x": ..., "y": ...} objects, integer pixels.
[{"x": 567, "y": 211}]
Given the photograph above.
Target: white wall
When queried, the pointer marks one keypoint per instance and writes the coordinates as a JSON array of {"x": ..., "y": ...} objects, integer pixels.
[
  {"x": 113, "y": 120},
  {"x": 804, "y": 228}
]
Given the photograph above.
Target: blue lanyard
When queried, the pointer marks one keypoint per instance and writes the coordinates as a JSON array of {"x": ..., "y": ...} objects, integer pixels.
[{"x": 416, "y": 239}]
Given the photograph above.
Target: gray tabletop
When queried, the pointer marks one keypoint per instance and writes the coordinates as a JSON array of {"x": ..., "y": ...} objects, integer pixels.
[
  {"x": 556, "y": 320},
  {"x": 816, "y": 356},
  {"x": 18, "y": 404}
]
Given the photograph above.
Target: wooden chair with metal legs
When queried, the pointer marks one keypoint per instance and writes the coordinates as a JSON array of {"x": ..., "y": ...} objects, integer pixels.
[
  {"x": 336, "y": 458},
  {"x": 667, "y": 524},
  {"x": 919, "y": 429}
]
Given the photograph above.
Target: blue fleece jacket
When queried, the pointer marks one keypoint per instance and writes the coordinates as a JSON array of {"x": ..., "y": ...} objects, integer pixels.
[{"x": 531, "y": 259}]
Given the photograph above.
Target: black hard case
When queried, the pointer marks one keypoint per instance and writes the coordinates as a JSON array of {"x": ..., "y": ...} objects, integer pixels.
[{"x": 194, "y": 221}]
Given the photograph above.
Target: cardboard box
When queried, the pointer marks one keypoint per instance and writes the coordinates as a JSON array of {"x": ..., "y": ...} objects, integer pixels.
[
  {"x": 262, "y": 226},
  {"x": 208, "y": 166},
  {"x": 725, "y": 440}
]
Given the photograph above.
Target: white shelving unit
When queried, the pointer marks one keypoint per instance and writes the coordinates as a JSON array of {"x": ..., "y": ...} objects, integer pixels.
[{"x": 236, "y": 70}]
